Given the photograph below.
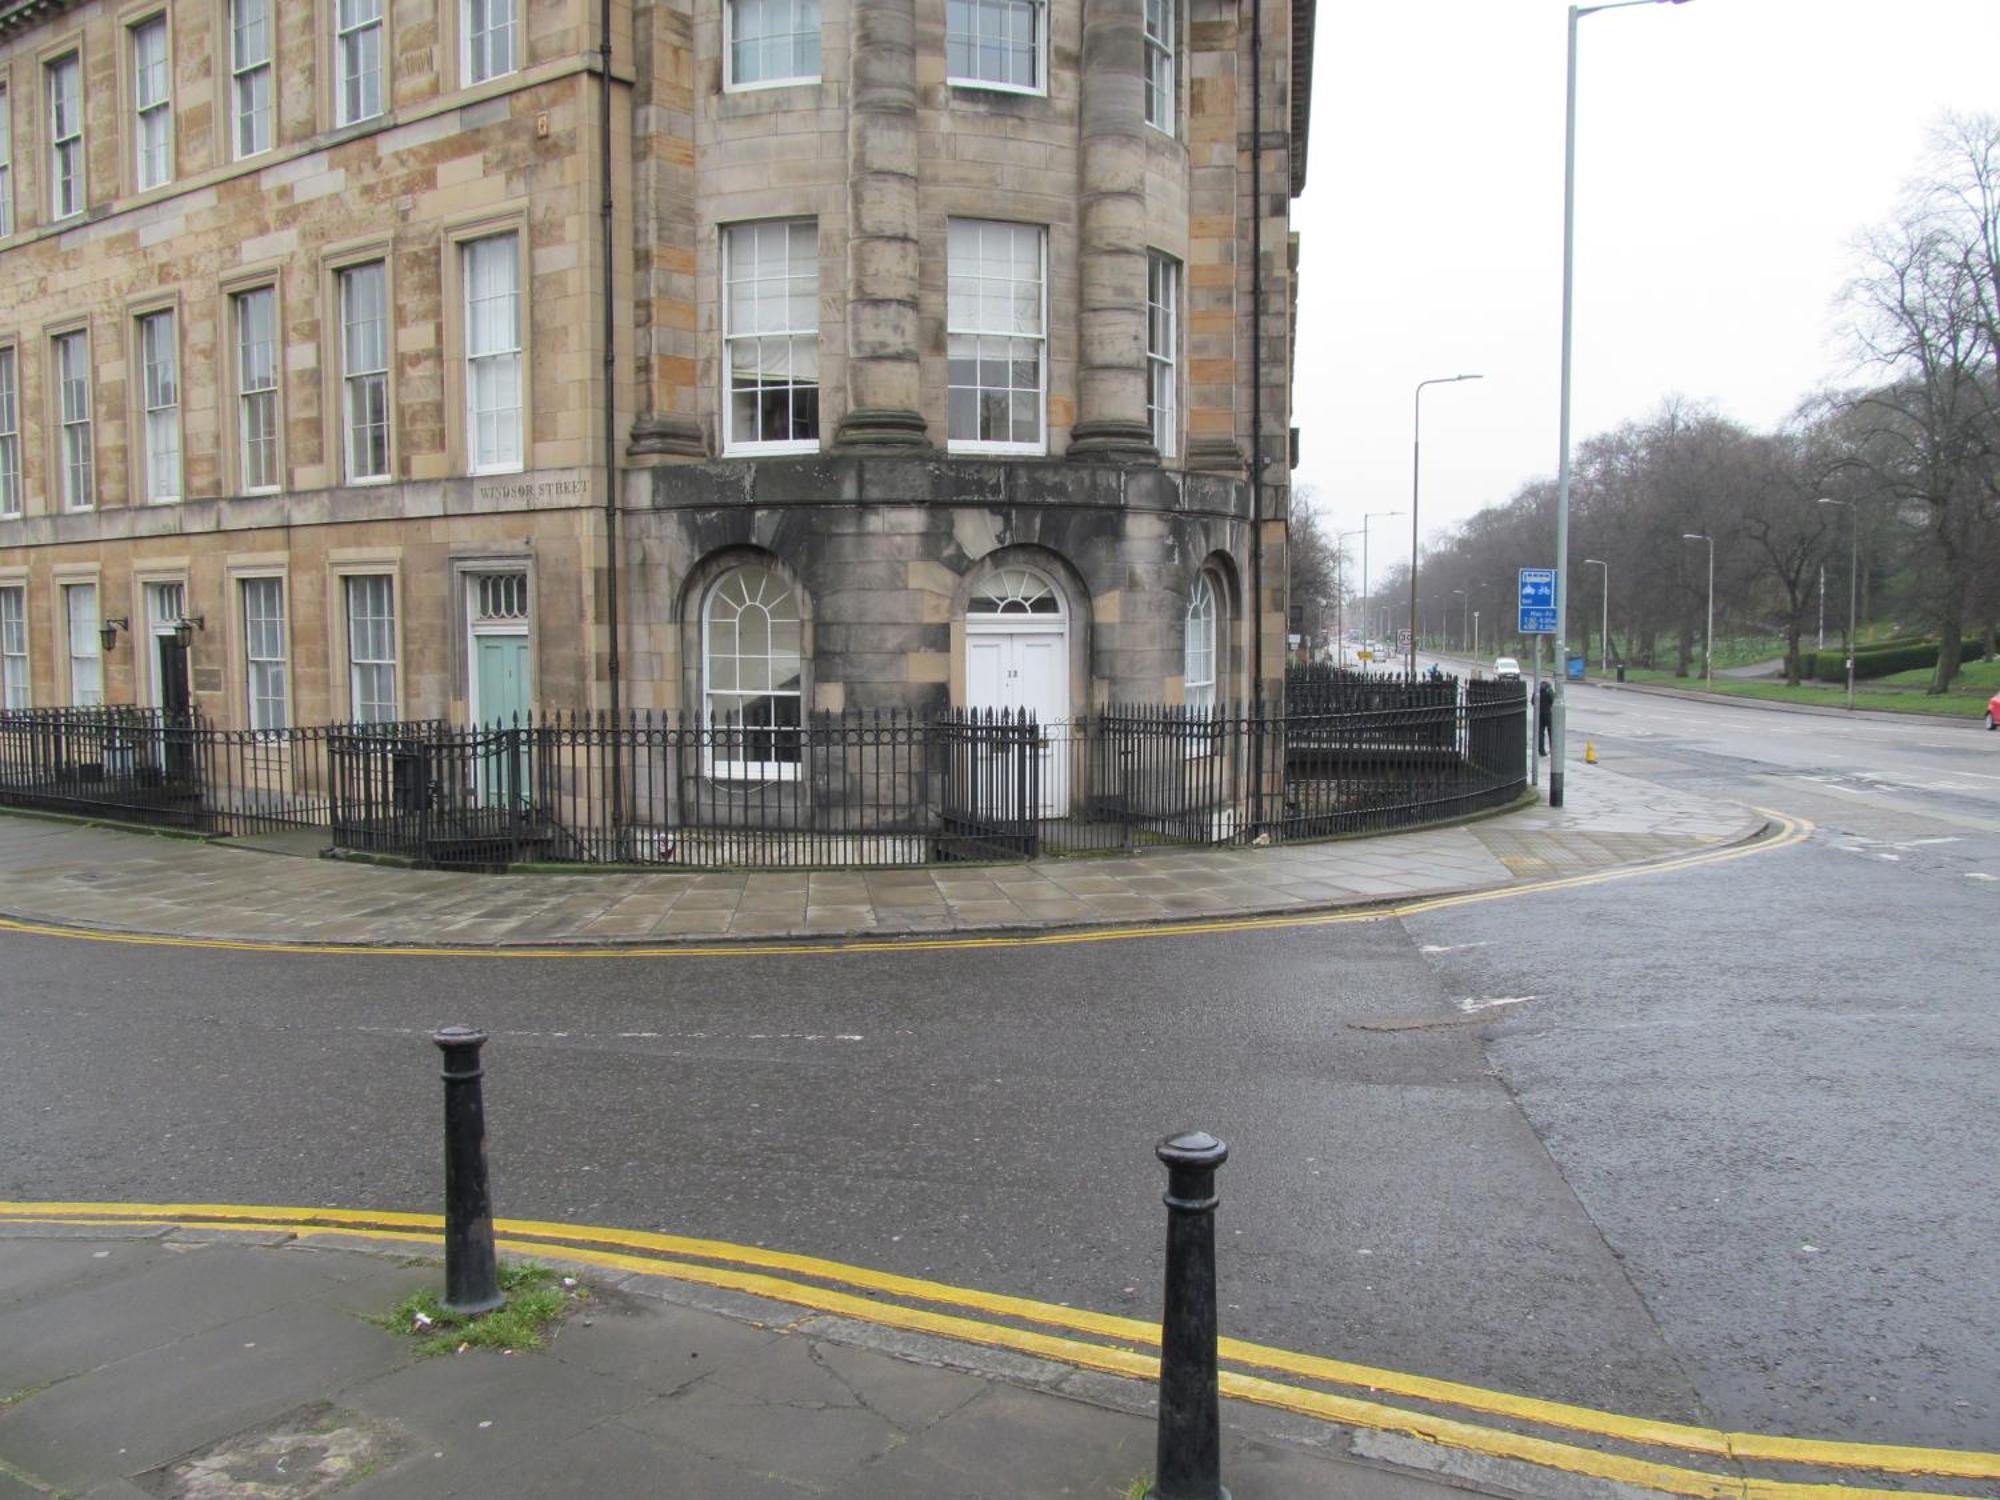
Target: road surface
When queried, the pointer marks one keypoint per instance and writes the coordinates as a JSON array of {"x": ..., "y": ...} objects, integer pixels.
[{"x": 1712, "y": 1144}]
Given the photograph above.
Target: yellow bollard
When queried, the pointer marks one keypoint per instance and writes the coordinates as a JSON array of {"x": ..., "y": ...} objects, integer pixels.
[{"x": 1589, "y": 753}]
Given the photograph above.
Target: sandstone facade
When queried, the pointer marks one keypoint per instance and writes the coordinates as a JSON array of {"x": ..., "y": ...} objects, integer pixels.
[{"x": 872, "y": 504}]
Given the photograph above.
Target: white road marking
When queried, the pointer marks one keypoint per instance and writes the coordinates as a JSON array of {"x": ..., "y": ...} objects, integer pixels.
[
  {"x": 1472, "y": 1003},
  {"x": 1448, "y": 947}
]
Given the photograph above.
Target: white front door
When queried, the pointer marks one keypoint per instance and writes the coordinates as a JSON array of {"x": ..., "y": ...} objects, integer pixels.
[{"x": 1025, "y": 670}]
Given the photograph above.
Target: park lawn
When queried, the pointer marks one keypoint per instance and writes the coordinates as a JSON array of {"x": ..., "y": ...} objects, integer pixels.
[
  {"x": 1963, "y": 702},
  {"x": 1982, "y": 677}
]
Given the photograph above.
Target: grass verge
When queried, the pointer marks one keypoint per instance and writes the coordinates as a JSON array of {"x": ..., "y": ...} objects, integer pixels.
[
  {"x": 1961, "y": 702},
  {"x": 537, "y": 1299}
]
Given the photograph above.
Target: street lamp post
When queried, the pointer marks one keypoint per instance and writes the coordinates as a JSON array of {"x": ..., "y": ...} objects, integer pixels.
[
  {"x": 1373, "y": 515},
  {"x": 1558, "y": 720},
  {"x": 1853, "y": 554},
  {"x": 1340, "y": 593},
  {"x": 1416, "y": 472},
  {"x": 1591, "y": 562},
  {"x": 1708, "y": 651}
]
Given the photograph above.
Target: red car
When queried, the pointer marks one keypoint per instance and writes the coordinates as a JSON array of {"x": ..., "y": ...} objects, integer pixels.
[{"x": 1993, "y": 712}]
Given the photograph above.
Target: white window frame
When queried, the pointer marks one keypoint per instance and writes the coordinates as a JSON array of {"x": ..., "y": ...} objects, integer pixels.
[
  {"x": 1038, "y": 12},
  {"x": 510, "y": 355},
  {"x": 732, "y": 443},
  {"x": 371, "y": 631},
  {"x": 159, "y": 365},
  {"x": 714, "y": 763},
  {"x": 732, "y": 84},
  {"x": 511, "y": 586},
  {"x": 1162, "y": 63},
  {"x": 1163, "y": 336},
  {"x": 350, "y": 42},
  {"x": 1041, "y": 337},
  {"x": 251, "y": 78},
  {"x": 16, "y": 682},
  {"x": 87, "y": 662},
  {"x": 165, "y": 607},
  {"x": 152, "y": 112},
  {"x": 67, "y": 182},
  {"x": 356, "y": 383},
  {"x": 255, "y": 400},
  {"x": 10, "y": 431},
  {"x": 76, "y": 456},
  {"x": 276, "y": 669},
  {"x": 476, "y": 62},
  {"x": 6, "y": 161},
  {"x": 1204, "y": 609}
]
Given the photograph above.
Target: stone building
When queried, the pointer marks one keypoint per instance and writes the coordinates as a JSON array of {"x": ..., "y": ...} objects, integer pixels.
[{"x": 916, "y": 341}]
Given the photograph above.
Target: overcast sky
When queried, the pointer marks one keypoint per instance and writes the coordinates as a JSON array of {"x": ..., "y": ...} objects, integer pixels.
[{"x": 1728, "y": 152}]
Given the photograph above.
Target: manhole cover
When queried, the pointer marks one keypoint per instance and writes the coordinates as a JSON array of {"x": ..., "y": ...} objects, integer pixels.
[{"x": 313, "y": 1451}]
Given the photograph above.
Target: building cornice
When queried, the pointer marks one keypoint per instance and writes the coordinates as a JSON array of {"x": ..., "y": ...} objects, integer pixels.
[
  {"x": 16, "y": 16},
  {"x": 1302, "y": 94}
]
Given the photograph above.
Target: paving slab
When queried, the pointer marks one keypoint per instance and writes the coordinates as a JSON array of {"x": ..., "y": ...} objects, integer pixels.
[
  {"x": 71, "y": 874},
  {"x": 637, "y": 1394}
]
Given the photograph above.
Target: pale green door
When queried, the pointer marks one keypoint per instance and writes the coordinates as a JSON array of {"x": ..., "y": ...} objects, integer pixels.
[
  {"x": 502, "y": 693},
  {"x": 502, "y": 678}
]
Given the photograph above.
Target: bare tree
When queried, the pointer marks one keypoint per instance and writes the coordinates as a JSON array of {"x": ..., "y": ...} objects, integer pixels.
[{"x": 1924, "y": 313}]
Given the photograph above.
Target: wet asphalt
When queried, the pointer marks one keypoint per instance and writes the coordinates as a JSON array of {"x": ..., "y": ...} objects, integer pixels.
[{"x": 1731, "y": 1161}]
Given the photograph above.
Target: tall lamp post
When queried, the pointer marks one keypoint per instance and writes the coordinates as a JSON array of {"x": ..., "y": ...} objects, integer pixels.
[
  {"x": 1558, "y": 721},
  {"x": 1340, "y": 593},
  {"x": 1591, "y": 562},
  {"x": 1416, "y": 474},
  {"x": 1853, "y": 554},
  {"x": 1708, "y": 651},
  {"x": 1373, "y": 515}
]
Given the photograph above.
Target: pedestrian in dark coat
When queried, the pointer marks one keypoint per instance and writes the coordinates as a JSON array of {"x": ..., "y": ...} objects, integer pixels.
[{"x": 1545, "y": 714}]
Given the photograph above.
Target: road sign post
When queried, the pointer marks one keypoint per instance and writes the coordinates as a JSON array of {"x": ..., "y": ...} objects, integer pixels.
[
  {"x": 1538, "y": 601},
  {"x": 1537, "y": 592}
]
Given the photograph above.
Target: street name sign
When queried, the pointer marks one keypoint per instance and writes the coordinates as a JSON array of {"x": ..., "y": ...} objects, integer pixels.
[{"x": 1538, "y": 601}]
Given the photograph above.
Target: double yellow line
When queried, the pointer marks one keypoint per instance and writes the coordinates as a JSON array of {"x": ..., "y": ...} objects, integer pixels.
[
  {"x": 1127, "y": 1347},
  {"x": 1781, "y": 832}
]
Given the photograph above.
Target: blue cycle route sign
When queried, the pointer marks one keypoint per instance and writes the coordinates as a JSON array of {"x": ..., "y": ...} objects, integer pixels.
[{"x": 1538, "y": 601}]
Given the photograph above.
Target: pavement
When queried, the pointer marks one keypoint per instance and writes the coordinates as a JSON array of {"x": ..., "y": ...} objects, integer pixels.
[
  {"x": 176, "y": 1363},
  {"x": 65, "y": 873}
]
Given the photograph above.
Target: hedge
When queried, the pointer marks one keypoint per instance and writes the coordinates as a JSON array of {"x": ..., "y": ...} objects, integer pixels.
[{"x": 1883, "y": 660}]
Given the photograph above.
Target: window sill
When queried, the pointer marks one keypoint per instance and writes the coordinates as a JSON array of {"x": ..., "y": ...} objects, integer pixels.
[
  {"x": 997, "y": 450},
  {"x": 748, "y": 775},
  {"x": 983, "y": 86},
  {"x": 769, "y": 450},
  {"x": 808, "y": 80}
]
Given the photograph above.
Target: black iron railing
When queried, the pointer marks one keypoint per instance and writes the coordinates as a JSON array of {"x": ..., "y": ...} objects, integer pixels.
[
  {"x": 145, "y": 765},
  {"x": 1345, "y": 754}
]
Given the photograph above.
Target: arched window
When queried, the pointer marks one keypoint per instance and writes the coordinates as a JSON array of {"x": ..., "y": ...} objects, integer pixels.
[
  {"x": 751, "y": 671},
  {"x": 1015, "y": 591},
  {"x": 1198, "y": 671}
]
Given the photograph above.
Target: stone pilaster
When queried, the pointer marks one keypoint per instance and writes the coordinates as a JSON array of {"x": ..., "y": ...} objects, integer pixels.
[
  {"x": 883, "y": 389},
  {"x": 663, "y": 182},
  {"x": 1111, "y": 261},
  {"x": 1215, "y": 375}
]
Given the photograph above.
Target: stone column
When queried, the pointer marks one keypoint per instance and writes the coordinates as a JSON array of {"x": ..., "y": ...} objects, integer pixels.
[
  {"x": 883, "y": 389},
  {"x": 1111, "y": 270}
]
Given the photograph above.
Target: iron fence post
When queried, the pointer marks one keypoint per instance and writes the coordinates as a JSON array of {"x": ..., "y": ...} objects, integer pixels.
[
  {"x": 471, "y": 1277},
  {"x": 1188, "y": 1464}
]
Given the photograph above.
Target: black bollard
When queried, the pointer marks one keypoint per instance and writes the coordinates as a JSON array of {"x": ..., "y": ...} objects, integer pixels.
[
  {"x": 1189, "y": 1465},
  {"x": 471, "y": 1280}
]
